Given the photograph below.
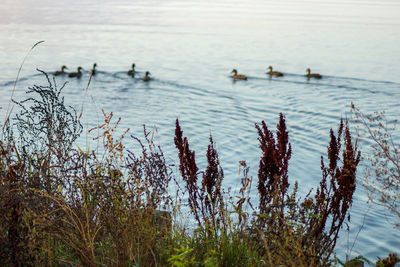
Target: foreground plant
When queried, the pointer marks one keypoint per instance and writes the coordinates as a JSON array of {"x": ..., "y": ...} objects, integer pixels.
[
  {"x": 45, "y": 132},
  {"x": 292, "y": 232},
  {"x": 382, "y": 177},
  {"x": 65, "y": 206}
]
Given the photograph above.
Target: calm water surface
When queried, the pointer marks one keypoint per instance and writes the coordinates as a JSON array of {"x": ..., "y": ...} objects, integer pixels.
[{"x": 191, "y": 46}]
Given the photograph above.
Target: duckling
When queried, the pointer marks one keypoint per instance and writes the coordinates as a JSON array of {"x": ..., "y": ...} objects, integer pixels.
[
  {"x": 62, "y": 72},
  {"x": 132, "y": 72},
  {"x": 274, "y": 73},
  {"x": 312, "y": 75},
  {"x": 238, "y": 76},
  {"x": 93, "y": 71},
  {"x": 76, "y": 74},
  {"x": 146, "y": 77}
]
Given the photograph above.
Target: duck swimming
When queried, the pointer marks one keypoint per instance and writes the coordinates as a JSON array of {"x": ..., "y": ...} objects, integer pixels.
[
  {"x": 76, "y": 74},
  {"x": 312, "y": 75},
  {"x": 238, "y": 76},
  {"x": 146, "y": 77},
  {"x": 274, "y": 73},
  {"x": 132, "y": 72},
  {"x": 62, "y": 72},
  {"x": 93, "y": 71}
]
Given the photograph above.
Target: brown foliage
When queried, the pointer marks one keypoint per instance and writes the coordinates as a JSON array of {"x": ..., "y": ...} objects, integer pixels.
[
  {"x": 281, "y": 215},
  {"x": 390, "y": 261},
  {"x": 273, "y": 171},
  {"x": 206, "y": 203},
  {"x": 334, "y": 196}
]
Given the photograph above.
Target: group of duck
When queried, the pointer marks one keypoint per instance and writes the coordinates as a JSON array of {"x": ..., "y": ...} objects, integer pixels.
[
  {"x": 146, "y": 77},
  {"x": 93, "y": 72},
  {"x": 272, "y": 73}
]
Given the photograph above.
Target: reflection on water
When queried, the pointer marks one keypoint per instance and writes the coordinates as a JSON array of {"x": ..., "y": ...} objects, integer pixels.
[{"x": 191, "y": 46}]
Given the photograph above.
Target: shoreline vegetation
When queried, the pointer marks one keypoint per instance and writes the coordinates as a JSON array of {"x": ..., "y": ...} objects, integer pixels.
[{"x": 63, "y": 206}]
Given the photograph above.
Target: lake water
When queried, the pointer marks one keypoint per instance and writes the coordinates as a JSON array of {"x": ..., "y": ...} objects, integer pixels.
[{"x": 190, "y": 48}]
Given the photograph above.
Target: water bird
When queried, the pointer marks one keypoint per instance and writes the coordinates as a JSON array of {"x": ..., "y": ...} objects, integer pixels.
[
  {"x": 93, "y": 71},
  {"x": 274, "y": 73},
  {"x": 238, "y": 76},
  {"x": 132, "y": 72},
  {"x": 312, "y": 75},
  {"x": 76, "y": 74},
  {"x": 146, "y": 77},
  {"x": 62, "y": 72}
]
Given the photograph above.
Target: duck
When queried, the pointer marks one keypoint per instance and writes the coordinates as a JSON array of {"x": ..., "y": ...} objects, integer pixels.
[
  {"x": 238, "y": 76},
  {"x": 62, "y": 72},
  {"x": 274, "y": 73},
  {"x": 76, "y": 74},
  {"x": 146, "y": 77},
  {"x": 312, "y": 75},
  {"x": 93, "y": 71},
  {"x": 132, "y": 72}
]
